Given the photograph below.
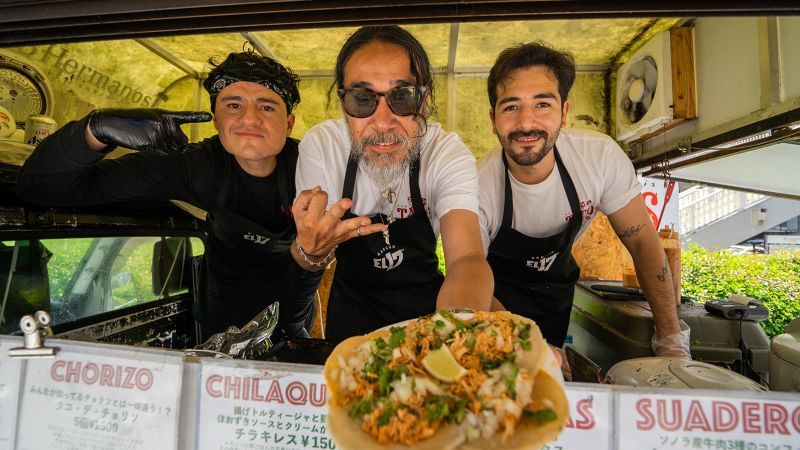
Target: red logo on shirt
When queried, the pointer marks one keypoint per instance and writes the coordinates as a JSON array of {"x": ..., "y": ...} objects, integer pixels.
[
  {"x": 403, "y": 212},
  {"x": 587, "y": 207}
]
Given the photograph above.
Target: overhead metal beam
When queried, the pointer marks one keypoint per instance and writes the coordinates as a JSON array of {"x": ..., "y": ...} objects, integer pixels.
[
  {"x": 476, "y": 71},
  {"x": 168, "y": 56},
  {"x": 259, "y": 45},
  {"x": 769, "y": 61},
  {"x": 451, "y": 76},
  {"x": 52, "y": 21},
  {"x": 585, "y": 69}
]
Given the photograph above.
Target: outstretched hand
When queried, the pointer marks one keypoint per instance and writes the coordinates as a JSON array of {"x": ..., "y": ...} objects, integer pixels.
[
  {"x": 150, "y": 130},
  {"x": 320, "y": 230}
]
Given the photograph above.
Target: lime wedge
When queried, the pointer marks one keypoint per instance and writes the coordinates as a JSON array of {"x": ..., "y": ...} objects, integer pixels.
[{"x": 441, "y": 364}]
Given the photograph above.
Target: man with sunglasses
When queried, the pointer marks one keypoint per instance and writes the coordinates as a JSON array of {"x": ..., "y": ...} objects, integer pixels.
[
  {"x": 541, "y": 189},
  {"x": 243, "y": 177},
  {"x": 382, "y": 184}
]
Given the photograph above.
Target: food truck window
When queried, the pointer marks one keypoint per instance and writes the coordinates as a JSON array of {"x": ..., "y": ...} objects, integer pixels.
[{"x": 76, "y": 278}]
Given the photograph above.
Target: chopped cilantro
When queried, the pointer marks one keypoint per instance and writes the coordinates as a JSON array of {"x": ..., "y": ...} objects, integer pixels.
[
  {"x": 524, "y": 331},
  {"x": 373, "y": 367},
  {"x": 526, "y": 345},
  {"x": 446, "y": 408},
  {"x": 361, "y": 407},
  {"x": 437, "y": 409},
  {"x": 461, "y": 410},
  {"x": 398, "y": 336},
  {"x": 438, "y": 324},
  {"x": 471, "y": 341},
  {"x": 385, "y": 416},
  {"x": 488, "y": 364},
  {"x": 511, "y": 387},
  {"x": 543, "y": 415},
  {"x": 387, "y": 375},
  {"x": 454, "y": 320}
]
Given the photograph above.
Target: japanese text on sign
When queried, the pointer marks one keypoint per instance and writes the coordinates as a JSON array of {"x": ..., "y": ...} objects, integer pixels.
[
  {"x": 253, "y": 410},
  {"x": 100, "y": 402}
]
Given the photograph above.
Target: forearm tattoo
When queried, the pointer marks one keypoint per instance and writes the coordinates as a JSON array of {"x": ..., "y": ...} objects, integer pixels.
[
  {"x": 631, "y": 232},
  {"x": 663, "y": 275}
]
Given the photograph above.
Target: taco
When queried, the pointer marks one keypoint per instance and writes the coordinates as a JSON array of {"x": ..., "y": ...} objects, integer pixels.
[{"x": 446, "y": 381}]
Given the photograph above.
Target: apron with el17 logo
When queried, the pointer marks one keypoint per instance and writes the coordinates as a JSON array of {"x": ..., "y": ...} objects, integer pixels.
[
  {"x": 376, "y": 284},
  {"x": 535, "y": 277}
]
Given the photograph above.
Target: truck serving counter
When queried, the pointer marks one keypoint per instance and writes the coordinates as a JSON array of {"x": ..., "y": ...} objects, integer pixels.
[{"x": 94, "y": 396}]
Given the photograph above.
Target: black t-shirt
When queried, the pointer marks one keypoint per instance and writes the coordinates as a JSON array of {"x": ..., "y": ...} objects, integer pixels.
[{"x": 65, "y": 171}]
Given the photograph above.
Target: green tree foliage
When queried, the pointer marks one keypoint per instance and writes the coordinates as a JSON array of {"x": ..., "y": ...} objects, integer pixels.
[
  {"x": 67, "y": 253},
  {"x": 773, "y": 279}
]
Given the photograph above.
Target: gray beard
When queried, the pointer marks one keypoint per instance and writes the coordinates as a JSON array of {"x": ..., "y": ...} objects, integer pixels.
[{"x": 381, "y": 169}]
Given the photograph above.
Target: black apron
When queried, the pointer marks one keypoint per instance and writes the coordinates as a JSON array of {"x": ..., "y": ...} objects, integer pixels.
[
  {"x": 535, "y": 277},
  {"x": 248, "y": 267},
  {"x": 377, "y": 284}
]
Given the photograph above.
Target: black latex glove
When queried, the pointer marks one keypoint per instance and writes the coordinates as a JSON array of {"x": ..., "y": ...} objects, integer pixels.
[{"x": 146, "y": 129}]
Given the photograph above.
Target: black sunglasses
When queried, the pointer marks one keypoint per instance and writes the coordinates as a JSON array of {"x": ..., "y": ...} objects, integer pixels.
[{"x": 361, "y": 102}]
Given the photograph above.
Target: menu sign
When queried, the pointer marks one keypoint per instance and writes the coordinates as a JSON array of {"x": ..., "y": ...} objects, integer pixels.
[
  {"x": 653, "y": 421},
  {"x": 9, "y": 391},
  {"x": 589, "y": 421},
  {"x": 85, "y": 398},
  {"x": 261, "y": 408},
  {"x": 661, "y": 201}
]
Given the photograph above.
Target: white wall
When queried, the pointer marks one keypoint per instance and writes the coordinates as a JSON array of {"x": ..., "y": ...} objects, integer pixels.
[
  {"x": 789, "y": 48},
  {"x": 728, "y": 76},
  {"x": 727, "y": 70}
]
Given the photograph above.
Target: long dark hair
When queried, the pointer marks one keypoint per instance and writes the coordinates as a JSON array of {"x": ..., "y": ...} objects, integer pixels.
[{"x": 391, "y": 34}]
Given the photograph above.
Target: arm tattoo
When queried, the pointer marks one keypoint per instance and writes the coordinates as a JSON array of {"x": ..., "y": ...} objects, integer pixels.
[
  {"x": 663, "y": 275},
  {"x": 631, "y": 232}
]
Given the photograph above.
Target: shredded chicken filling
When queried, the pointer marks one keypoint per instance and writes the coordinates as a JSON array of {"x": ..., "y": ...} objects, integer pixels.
[{"x": 398, "y": 401}]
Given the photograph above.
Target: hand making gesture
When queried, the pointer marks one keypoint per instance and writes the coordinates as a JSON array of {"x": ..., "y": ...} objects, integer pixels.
[{"x": 320, "y": 231}]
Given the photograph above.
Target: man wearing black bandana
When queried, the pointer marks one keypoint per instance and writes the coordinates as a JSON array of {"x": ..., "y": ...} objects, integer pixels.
[{"x": 243, "y": 178}]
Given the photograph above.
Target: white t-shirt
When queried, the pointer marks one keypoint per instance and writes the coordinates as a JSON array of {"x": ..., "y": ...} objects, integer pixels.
[
  {"x": 448, "y": 175},
  {"x": 603, "y": 176}
]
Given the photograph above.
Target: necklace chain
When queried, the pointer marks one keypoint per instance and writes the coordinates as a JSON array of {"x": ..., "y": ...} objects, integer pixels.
[{"x": 387, "y": 195}]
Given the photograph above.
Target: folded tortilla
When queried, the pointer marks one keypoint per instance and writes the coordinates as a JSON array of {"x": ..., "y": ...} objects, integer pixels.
[{"x": 528, "y": 433}]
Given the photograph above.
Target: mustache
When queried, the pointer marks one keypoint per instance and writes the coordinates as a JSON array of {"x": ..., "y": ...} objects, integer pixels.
[
  {"x": 385, "y": 138},
  {"x": 538, "y": 134}
]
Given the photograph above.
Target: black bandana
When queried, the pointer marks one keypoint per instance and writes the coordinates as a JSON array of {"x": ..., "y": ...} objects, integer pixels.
[{"x": 223, "y": 80}]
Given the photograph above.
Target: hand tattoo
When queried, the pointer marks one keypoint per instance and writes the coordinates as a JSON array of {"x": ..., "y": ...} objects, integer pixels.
[
  {"x": 663, "y": 275},
  {"x": 631, "y": 232}
]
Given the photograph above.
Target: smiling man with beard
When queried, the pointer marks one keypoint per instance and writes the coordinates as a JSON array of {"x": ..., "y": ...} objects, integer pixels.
[
  {"x": 542, "y": 188},
  {"x": 406, "y": 179}
]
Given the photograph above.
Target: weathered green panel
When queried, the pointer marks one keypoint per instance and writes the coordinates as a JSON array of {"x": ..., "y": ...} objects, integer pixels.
[
  {"x": 472, "y": 115},
  {"x": 313, "y": 107},
  {"x": 100, "y": 74},
  {"x": 196, "y": 50},
  {"x": 592, "y": 41},
  {"x": 306, "y": 49}
]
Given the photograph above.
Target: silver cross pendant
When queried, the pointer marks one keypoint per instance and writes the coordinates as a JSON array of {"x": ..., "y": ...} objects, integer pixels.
[{"x": 388, "y": 195}]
